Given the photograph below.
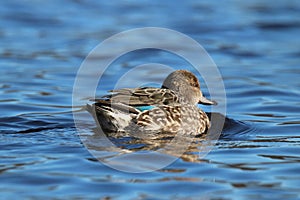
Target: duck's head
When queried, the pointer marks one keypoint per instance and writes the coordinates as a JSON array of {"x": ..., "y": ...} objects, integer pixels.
[{"x": 187, "y": 87}]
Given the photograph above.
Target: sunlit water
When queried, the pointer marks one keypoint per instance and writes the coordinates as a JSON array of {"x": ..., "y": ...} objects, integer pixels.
[{"x": 256, "y": 46}]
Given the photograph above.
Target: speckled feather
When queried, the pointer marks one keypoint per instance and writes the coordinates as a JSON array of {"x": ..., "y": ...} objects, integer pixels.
[
  {"x": 141, "y": 96},
  {"x": 174, "y": 118},
  {"x": 172, "y": 108}
]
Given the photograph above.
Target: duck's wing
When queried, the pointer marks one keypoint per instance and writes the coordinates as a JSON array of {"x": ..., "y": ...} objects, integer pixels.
[{"x": 140, "y": 96}]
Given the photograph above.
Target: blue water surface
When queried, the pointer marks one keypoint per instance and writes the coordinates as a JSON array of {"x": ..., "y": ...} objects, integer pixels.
[{"x": 255, "y": 45}]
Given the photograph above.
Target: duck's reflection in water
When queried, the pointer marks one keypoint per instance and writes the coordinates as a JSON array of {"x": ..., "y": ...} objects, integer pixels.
[{"x": 187, "y": 148}]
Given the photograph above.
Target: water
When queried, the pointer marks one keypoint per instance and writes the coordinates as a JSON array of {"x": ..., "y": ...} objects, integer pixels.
[{"x": 256, "y": 46}]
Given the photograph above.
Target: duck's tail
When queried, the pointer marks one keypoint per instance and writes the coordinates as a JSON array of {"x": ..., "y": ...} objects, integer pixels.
[{"x": 112, "y": 118}]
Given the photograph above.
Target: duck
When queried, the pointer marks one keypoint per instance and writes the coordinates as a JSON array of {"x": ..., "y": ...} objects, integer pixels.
[{"x": 171, "y": 109}]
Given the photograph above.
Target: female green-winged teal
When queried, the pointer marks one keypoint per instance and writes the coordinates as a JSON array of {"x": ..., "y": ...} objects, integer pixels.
[{"x": 171, "y": 108}]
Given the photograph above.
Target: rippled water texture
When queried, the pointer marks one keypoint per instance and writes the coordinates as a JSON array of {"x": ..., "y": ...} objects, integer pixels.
[{"x": 256, "y": 46}]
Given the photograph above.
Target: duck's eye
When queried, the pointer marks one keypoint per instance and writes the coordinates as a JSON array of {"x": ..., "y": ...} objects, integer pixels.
[{"x": 195, "y": 84}]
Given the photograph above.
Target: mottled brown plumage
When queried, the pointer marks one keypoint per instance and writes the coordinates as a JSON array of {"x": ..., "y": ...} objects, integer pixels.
[{"x": 172, "y": 108}]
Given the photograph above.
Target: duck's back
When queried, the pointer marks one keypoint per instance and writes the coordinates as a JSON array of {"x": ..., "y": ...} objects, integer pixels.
[{"x": 141, "y": 96}]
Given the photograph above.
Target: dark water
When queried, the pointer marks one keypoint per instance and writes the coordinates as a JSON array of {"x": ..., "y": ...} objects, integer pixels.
[{"x": 256, "y": 46}]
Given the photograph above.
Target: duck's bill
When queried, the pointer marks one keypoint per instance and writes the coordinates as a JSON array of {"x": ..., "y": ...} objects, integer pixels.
[{"x": 205, "y": 101}]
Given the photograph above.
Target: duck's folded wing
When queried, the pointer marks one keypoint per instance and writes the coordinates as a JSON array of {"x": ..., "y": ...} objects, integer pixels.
[{"x": 141, "y": 96}]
